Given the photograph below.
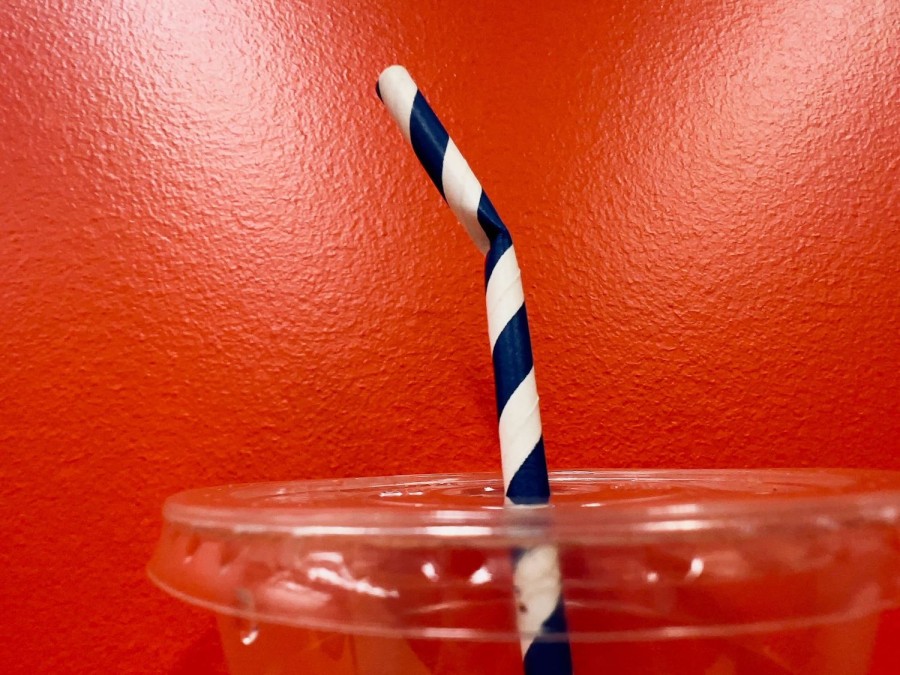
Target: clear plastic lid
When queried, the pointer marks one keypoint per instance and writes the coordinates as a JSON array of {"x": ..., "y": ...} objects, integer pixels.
[{"x": 644, "y": 554}]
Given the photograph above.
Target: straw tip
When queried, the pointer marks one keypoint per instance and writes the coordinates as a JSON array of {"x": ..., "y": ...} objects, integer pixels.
[
  {"x": 393, "y": 71},
  {"x": 392, "y": 76}
]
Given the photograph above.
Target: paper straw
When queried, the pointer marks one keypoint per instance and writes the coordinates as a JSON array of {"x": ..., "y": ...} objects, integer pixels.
[{"x": 541, "y": 615}]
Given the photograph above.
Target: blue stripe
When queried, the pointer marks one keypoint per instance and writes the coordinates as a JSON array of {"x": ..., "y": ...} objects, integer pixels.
[
  {"x": 550, "y": 656},
  {"x": 499, "y": 245},
  {"x": 489, "y": 219},
  {"x": 496, "y": 233},
  {"x": 429, "y": 139},
  {"x": 530, "y": 484},
  {"x": 512, "y": 357}
]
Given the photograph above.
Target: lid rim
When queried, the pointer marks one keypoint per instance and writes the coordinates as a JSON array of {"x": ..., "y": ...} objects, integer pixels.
[{"x": 727, "y": 512}]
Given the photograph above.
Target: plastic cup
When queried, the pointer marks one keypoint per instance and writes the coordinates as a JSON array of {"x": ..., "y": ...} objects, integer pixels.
[{"x": 676, "y": 572}]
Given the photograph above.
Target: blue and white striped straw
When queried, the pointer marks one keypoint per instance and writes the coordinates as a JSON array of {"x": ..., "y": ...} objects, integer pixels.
[{"x": 541, "y": 617}]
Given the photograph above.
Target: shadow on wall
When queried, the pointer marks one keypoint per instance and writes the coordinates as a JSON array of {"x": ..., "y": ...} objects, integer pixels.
[{"x": 202, "y": 657}]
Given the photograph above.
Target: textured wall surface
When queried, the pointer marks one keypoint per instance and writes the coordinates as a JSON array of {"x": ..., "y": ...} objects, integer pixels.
[{"x": 220, "y": 262}]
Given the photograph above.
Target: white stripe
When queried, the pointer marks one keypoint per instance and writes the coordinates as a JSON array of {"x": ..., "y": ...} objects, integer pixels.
[
  {"x": 504, "y": 294},
  {"x": 463, "y": 193},
  {"x": 538, "y": 588},
  {"x": 398, "y": 91},
  {"x": 520, "y": 427}
]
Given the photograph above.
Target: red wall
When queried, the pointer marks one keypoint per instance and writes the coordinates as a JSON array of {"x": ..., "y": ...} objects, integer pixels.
[{"x": 219, "y": 262}]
